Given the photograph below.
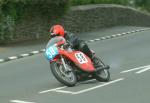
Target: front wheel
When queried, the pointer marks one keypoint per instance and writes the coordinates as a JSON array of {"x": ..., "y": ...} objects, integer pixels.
[{"x": 67, "y": 78}]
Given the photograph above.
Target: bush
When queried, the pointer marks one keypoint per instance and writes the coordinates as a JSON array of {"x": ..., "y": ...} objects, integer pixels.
[
  {"x": 11, "y": 11},
  {"x": 83, "y": 2},
  {"x": 7, "y": 28},
  {"x": 144, "y": 4}
]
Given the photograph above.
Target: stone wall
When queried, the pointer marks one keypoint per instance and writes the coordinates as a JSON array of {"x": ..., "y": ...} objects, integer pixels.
[
  {"x": 83, "y": 19},
  {"x": 95, "y": 17}
]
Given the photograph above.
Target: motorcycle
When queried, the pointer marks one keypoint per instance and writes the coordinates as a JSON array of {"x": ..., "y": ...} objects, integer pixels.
[{"x": 70, "y": 66}]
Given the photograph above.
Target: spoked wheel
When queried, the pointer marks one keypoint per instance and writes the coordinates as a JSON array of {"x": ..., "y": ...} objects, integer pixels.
[{"x": 66, "y": 77}]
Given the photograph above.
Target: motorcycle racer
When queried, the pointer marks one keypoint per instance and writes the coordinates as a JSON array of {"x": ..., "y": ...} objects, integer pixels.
[{"x": 74, "y": 41}]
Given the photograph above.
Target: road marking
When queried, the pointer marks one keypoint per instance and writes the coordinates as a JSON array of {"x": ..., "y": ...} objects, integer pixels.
[
  {"x": 118, "y": 34},
  {"x": 19, "y": 101},
  {"x": 126, "y": 71},
  {"x": 124, "y": 33},
  {"x": 143, "y": 70},
  {"x": 96, "y": 39},
  {"x": 62, "y": 91},
  {"x": 128, "y": 32},
  {"x": 139, "y": 30},
  {"x": 35, "y": 52},
  {"x": 91, "y": 40},
  {"x": 13, "y": 57},
  {"x": 113, "y": 35},
  {"x": 103, "y": 38},
  {"x": 132, "y": 31},
  {"x": 105, "y": 84},
  {"x": 43, "y": 50},
  {"x": 56, "y": 89},
  {"x": 24, "y": 55},
  {"x": 1, "y": 60},
  {"x": 45, "y": 91}
]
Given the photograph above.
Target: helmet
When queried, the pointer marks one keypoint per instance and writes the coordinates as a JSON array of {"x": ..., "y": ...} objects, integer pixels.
[{"x": 57, "y": 30}]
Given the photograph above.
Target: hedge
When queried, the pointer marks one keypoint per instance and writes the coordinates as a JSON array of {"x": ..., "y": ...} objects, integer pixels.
[
  {"x": 12, "y": 11},
  {"x": 83, "y": 2}
]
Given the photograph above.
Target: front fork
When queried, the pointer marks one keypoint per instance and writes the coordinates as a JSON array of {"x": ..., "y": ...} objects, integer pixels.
[{"x": 64, "y": 64}]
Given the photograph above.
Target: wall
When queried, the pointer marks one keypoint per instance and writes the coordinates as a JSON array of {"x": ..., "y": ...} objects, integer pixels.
[{"x": 83, "y": 19}]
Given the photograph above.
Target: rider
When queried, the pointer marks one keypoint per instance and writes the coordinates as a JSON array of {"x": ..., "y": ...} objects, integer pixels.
[{"x": 77, "y": 44}]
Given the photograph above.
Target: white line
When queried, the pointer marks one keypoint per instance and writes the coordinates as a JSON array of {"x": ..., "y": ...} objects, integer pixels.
[
  {"x": 123, "y": 33},
  {"x": 118, "y": 34},
  {"x": 126, "y": 71},
  {"x": 143, "y": 70},
  {"x": 138, "y": 30},
  {"x": 35, "y": 52},
  {"x": 62, "y": 91},
  {"x": 91, "y": 40},
  {"x": 133, "y": 31},
  {"x": 103, "y": 38},
  {"x": 24, "y": 55},
  {"x": 45, "y": 91},
  {"x": 13, "y": 57},
  {"x": 56, "y": 89},
  {"x": 42, "y": 50},
  {"x": 129, "y": 32},
  {"x": 1, "y": 60},
  {"x": 18, "y": 101},
  {"x": 97, "y": 39},
  {"x": 89, "y": 89},
  {"x": 113, "y": 35}
]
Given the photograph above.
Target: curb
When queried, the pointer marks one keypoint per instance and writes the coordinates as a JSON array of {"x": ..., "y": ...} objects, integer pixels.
[
  {"x": 117, "y": 35},
  {"x": 21, "y": 56},
  {"x": 89, "y": 41}
]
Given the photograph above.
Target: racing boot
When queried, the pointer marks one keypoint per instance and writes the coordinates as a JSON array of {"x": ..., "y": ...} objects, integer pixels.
[{"x": 97, "y": 63}]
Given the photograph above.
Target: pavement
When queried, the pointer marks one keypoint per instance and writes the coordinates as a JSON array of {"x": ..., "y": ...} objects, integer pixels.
[{"x": 29, "y": 80}]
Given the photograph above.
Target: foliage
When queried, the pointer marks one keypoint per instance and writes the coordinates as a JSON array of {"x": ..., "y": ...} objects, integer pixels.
[
  {"x": 145, "y": 4},
  {"x": 83, "y": 2},
  {"x": 12, "y": 11}
]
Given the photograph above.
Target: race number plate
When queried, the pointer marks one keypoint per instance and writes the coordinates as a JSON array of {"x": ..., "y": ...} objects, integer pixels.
[
  {"x": 51, "y": 52},
  {"x": 81, "y": 58}
]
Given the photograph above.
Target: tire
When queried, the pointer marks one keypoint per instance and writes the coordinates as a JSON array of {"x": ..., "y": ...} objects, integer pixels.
[
  {"x": 69, "y": 79},
  {"x": 102, "y": 75}
]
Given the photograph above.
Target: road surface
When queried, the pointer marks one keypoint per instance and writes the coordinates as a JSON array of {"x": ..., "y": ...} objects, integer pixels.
[{"x": 29, "y": 80}]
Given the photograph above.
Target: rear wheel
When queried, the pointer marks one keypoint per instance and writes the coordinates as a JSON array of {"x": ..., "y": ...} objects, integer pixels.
[
  {"x": 102, "y": 75},
  {"x": 67, "y": 78}
]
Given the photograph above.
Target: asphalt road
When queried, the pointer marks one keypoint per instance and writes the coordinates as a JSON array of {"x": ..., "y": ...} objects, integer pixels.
[
  {"x": 29, "y": 80},
  {"x": 26, "y": 47}
]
